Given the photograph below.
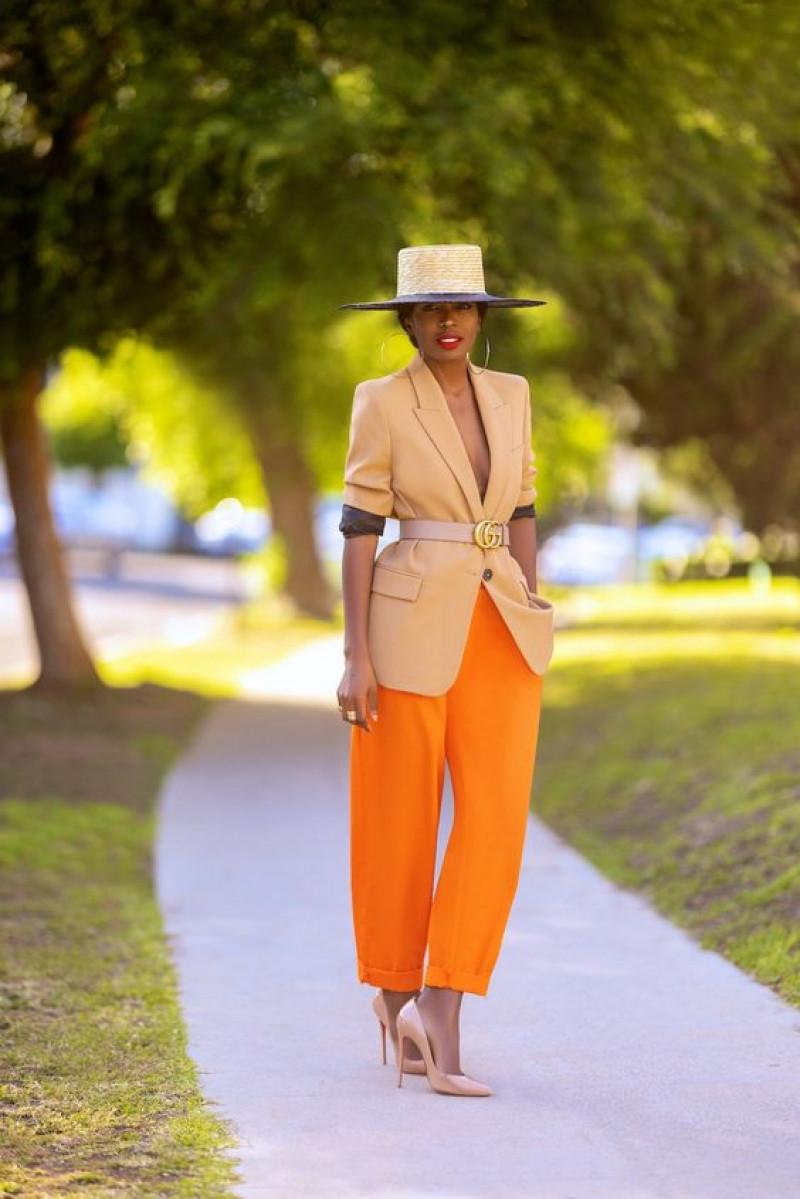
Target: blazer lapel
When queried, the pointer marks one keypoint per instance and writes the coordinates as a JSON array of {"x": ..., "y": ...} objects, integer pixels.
[{"x": 436, "y": 418}]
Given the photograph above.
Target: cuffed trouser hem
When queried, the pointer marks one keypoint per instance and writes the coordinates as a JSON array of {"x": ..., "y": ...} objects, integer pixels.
[
  {"x": 457, "y": 980},
  {"x": 393, "y": 980}
]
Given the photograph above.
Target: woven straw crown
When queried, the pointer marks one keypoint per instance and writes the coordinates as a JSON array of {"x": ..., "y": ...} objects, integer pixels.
[
  {"x": 443, "y": 272},
  {"x": 439, "y": 268}
]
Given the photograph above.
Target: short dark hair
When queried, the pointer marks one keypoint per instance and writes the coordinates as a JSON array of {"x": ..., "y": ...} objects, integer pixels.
[{"x": 405, "y": 310}]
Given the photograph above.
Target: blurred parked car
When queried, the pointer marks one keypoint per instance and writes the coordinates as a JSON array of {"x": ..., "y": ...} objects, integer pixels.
[
  {"x": 7, "y": 526},
  {"x": 328, "y": 513},
  {"x": 231, "y": 528},
  {"x": 673, "y": 539},
  {"x": 118, "y": 511},
  {"x": 586, "y": 553},
  {"x": 112, "y": 513}
]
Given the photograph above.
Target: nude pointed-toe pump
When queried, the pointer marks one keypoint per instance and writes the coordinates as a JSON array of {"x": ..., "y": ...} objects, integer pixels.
[
  {"x": 410, "y": 1026},
  {"x": 379, "y": 1008}
]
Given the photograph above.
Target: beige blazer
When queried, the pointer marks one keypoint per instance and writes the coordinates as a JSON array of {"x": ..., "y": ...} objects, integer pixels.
[{"x": 406, "y": 459}]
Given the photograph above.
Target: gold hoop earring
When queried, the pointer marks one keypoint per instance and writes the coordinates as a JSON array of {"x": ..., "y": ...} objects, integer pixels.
[
  {"x": 399, "y": 333},
  {"x": 480, "y": 370}
]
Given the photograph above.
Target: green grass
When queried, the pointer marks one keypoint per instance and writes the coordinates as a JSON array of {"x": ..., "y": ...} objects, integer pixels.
[
  {"x": 669, "y": 755},
  {"x": 98, "y": 1095}
]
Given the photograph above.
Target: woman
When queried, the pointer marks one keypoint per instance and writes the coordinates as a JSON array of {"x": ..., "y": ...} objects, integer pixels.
[{"x": 446, "y": 642}]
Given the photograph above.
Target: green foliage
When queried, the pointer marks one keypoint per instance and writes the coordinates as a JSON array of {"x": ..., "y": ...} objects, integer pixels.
[
  {"x": 182, "y": 435},
  {"x": 224, "y": 176},
  {"x": 571, "y": 435},
  {"x": 96, "y": 442},
  {"x": 127, "y": 158}
]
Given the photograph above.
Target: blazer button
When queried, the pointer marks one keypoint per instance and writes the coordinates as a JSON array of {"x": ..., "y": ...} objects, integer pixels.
[{"x": 487, "y": 574}]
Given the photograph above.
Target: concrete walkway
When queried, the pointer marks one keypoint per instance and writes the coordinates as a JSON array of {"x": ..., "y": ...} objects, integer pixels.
[{"x": 627, "y": 1063}]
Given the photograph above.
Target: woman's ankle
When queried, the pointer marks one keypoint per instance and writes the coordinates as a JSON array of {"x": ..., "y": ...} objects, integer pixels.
[{"x": 444, "y": 997}]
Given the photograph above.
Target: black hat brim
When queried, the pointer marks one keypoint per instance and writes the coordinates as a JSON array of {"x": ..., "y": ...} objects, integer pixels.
[{"x": 475, "y": 297}]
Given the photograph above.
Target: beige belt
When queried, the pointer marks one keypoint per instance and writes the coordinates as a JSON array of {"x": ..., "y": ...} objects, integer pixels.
[{"x": 488, "y": 534}]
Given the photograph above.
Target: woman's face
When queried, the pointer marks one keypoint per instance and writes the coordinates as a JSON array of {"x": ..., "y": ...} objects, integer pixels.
[{"x": 445, "y": 329}]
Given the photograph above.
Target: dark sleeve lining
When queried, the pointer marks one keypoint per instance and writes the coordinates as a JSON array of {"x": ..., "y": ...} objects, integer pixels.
[
  {"x": 356, "y": 522},
  {"x": 523, "y": 510}
]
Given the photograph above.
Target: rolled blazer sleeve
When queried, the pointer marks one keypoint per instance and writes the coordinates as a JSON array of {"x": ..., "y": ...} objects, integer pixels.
[
  {"x": 356, "y": 522},
  {"x": 368, "y": 465},
  {"x": 527, "y": 493}
]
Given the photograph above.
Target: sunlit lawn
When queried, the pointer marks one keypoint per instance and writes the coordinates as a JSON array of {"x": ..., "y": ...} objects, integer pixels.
[{"x": 670, "y": 755}]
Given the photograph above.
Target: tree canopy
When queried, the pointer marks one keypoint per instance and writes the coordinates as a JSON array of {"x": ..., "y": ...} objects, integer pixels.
[{"x": 220, "y": 177}]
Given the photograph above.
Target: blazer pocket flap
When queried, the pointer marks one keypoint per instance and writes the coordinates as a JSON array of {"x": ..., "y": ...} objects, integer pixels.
[{"x": 400, "y": 584}]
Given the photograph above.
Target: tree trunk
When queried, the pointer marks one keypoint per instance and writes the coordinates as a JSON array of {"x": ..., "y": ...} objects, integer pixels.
[
  {"x": 64, "y": 657},
  {"x": 290, "y": 487}
]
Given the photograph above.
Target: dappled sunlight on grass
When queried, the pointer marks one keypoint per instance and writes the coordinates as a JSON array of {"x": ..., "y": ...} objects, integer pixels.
[
  {"x": 578, "y": 644},
  {"x": 703, "y": 619},
  {"x": 727, "y": 602}
]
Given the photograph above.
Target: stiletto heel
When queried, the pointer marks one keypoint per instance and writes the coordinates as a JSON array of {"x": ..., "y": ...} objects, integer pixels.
[
  {"x": 379, "y": 1008},
  {"x": 409, "y": 1024},
  {"x": 401, "y": 1056}
]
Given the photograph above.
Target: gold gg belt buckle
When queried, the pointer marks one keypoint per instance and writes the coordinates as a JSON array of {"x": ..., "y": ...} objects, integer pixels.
[{"x": 488, "y": 534}]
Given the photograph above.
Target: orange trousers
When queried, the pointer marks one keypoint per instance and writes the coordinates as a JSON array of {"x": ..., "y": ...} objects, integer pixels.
[{"x": 486, "y": 728}]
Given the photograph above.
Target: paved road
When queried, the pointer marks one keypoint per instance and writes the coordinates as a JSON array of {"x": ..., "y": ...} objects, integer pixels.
[
  {"x": 627, "y": 1062},
  {"x": 155, "y": 597}
]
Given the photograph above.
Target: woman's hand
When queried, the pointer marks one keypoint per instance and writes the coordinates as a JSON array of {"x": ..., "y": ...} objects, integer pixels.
[{"x": 358, "y": 691}]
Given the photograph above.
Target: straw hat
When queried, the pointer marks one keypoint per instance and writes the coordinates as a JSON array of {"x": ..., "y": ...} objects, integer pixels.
[{"x": 450, "y": 272}]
